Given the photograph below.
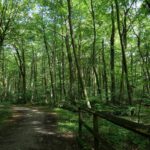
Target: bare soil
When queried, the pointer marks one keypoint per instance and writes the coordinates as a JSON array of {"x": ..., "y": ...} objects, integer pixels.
[{"x": 33, "y": 129}]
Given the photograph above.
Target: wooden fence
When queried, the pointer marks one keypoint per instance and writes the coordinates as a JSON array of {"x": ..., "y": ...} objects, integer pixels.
[{"x": 141, "y": 129}]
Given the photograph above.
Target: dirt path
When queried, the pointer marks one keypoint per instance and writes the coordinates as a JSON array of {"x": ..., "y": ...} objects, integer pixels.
[{"x": 34, "y": 130}]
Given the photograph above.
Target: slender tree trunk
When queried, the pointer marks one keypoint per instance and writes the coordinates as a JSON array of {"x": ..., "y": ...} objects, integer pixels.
[
  {"x": 112, "y": 57},
  {"x": 50, "y": 67},
  {"x": 4, "y": 76},
  {"x": 94, "y": 49},
  {"x": 146, "y": 70},
  {"x": 105, "y": 72},
  {"x": 123, "y": 47},
  {"x": 53, "y": 59},
  {"x": 44, "y": 79},
  {"x": 75, "y": 55},
  {"x": 63, "y": 55},
  {"x": 23, "y": 74},
  {"x": 121, "y": 94},
  {"x": 63, "y": 73},
  {"x": 34, "y": 76},
  {"x": 71, "y": 71},
  {"x": 132, "y": 76}
]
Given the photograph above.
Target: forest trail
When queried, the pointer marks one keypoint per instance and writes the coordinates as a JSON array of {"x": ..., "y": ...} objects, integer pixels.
[{"x": 33, "y": 129}]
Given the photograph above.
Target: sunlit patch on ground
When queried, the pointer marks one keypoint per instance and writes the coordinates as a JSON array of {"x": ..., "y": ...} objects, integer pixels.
[
  {"x": 52, "y": 113},
  {"x": 36, "y": 122},
  {"x": 37, "y": 111},
  {"x": 16, "y": 116},
  {"x": 68, "y": 135},
  {"x": 29, "y": 115},
  {"x": 34, "y": 110},
  {"x": 42, "y": 131},
  {"x": 1, "y": 106},
  {"x": 33, "y": 129},
  {"x": 20, "y": 108}
]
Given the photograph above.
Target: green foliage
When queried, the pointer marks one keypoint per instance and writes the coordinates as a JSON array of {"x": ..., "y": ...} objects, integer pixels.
[
  {"x": 67, "y": 121},
  {"x": 36, "y": 68},
  {"x": 119, "y": 138}
]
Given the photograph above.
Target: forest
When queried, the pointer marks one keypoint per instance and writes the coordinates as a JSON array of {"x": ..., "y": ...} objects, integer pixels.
[{"x": 80, "y": 60}]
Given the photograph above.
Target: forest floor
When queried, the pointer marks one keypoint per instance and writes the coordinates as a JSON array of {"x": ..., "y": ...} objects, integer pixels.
[{"x": 31, "y": 128}]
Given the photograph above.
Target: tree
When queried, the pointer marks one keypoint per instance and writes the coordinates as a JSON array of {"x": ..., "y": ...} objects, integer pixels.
[
  {"x": 75, "y": 55},
  {"x": 123, "y": 42},
  {"x": 112, "y": 56}
]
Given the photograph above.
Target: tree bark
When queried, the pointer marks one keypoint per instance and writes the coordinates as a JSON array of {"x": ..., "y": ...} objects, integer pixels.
[
  {"x": 75, "y": 55},
  {"x": 71, "y": 71},
  {"x": 22, "y": 73},
  {"x": 123, "y": 48},
  {"x": 112, "y": 57},
  {"x": 94, "y": 49},
  {"x": 50, "y": 67},
  {"x": 105, "y": 72}
]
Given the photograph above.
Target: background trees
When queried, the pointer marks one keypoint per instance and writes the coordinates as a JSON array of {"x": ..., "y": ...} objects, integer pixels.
[{"x": 69, "y": 51}]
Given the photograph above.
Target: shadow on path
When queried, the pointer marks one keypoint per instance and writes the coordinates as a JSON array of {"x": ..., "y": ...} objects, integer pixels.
[{"x": 31, "y": 129}]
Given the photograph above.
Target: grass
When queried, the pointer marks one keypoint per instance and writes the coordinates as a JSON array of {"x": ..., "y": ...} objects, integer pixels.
[
  {"x": 67, "y": 121},
  {"x": 122, "y": 138},
  {"x": 119, "y": 137}
]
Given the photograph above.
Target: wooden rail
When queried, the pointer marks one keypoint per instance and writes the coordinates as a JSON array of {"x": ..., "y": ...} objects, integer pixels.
[
  {"x": 141, "y": 129},
  {"x": 94, "y": 131}
]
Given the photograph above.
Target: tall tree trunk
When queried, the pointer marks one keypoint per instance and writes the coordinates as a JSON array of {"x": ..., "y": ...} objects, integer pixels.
[
  {"x": 54, "y": 58},
  {"x": 105, "y": 72},
  {"x": 34, "y": 76},
  {"x": 44, "y": 79},
  {"x": 121, "y": 94},
  {"x": 145, "y": 66},
  {"x": 22, "y": 71},
  {"x": 63, "y": 54},
  {"x": 123, "y": 48},
  {"x": 112, "y": 57},
  {"x": 94, "y": 49},
  {"x": 63, "y": 73},
  {"x": 71, "y": 71},
  {"x": 50, "y": 67},
  {"x": 4, "y": 78},
  {"x": 75, "y": 55}
]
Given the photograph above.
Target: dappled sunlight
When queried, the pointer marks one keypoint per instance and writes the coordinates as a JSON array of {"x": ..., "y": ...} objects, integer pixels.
[
  {"x": 66, "y": 127},
  {"x": 34, "y": 110},
  {"x": 2, "y": 106},
  {"x": 68, "y": 135},
  {"x": 16, "y": 116},
  {"x": 67, "y": 124},
  {"x": 29, "y": 115},
  {"x": 39, "y": 129},
  {"x": 37, "y": 111},
  {"x": 36, "y": 122},
  {"x": 42, "y": 131},
  {"x": 20, "y": 108},
  {"x": 74, "y": 70},
  {"x": 52, "y": 113},
  {"x": 52, "y": 125}
]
